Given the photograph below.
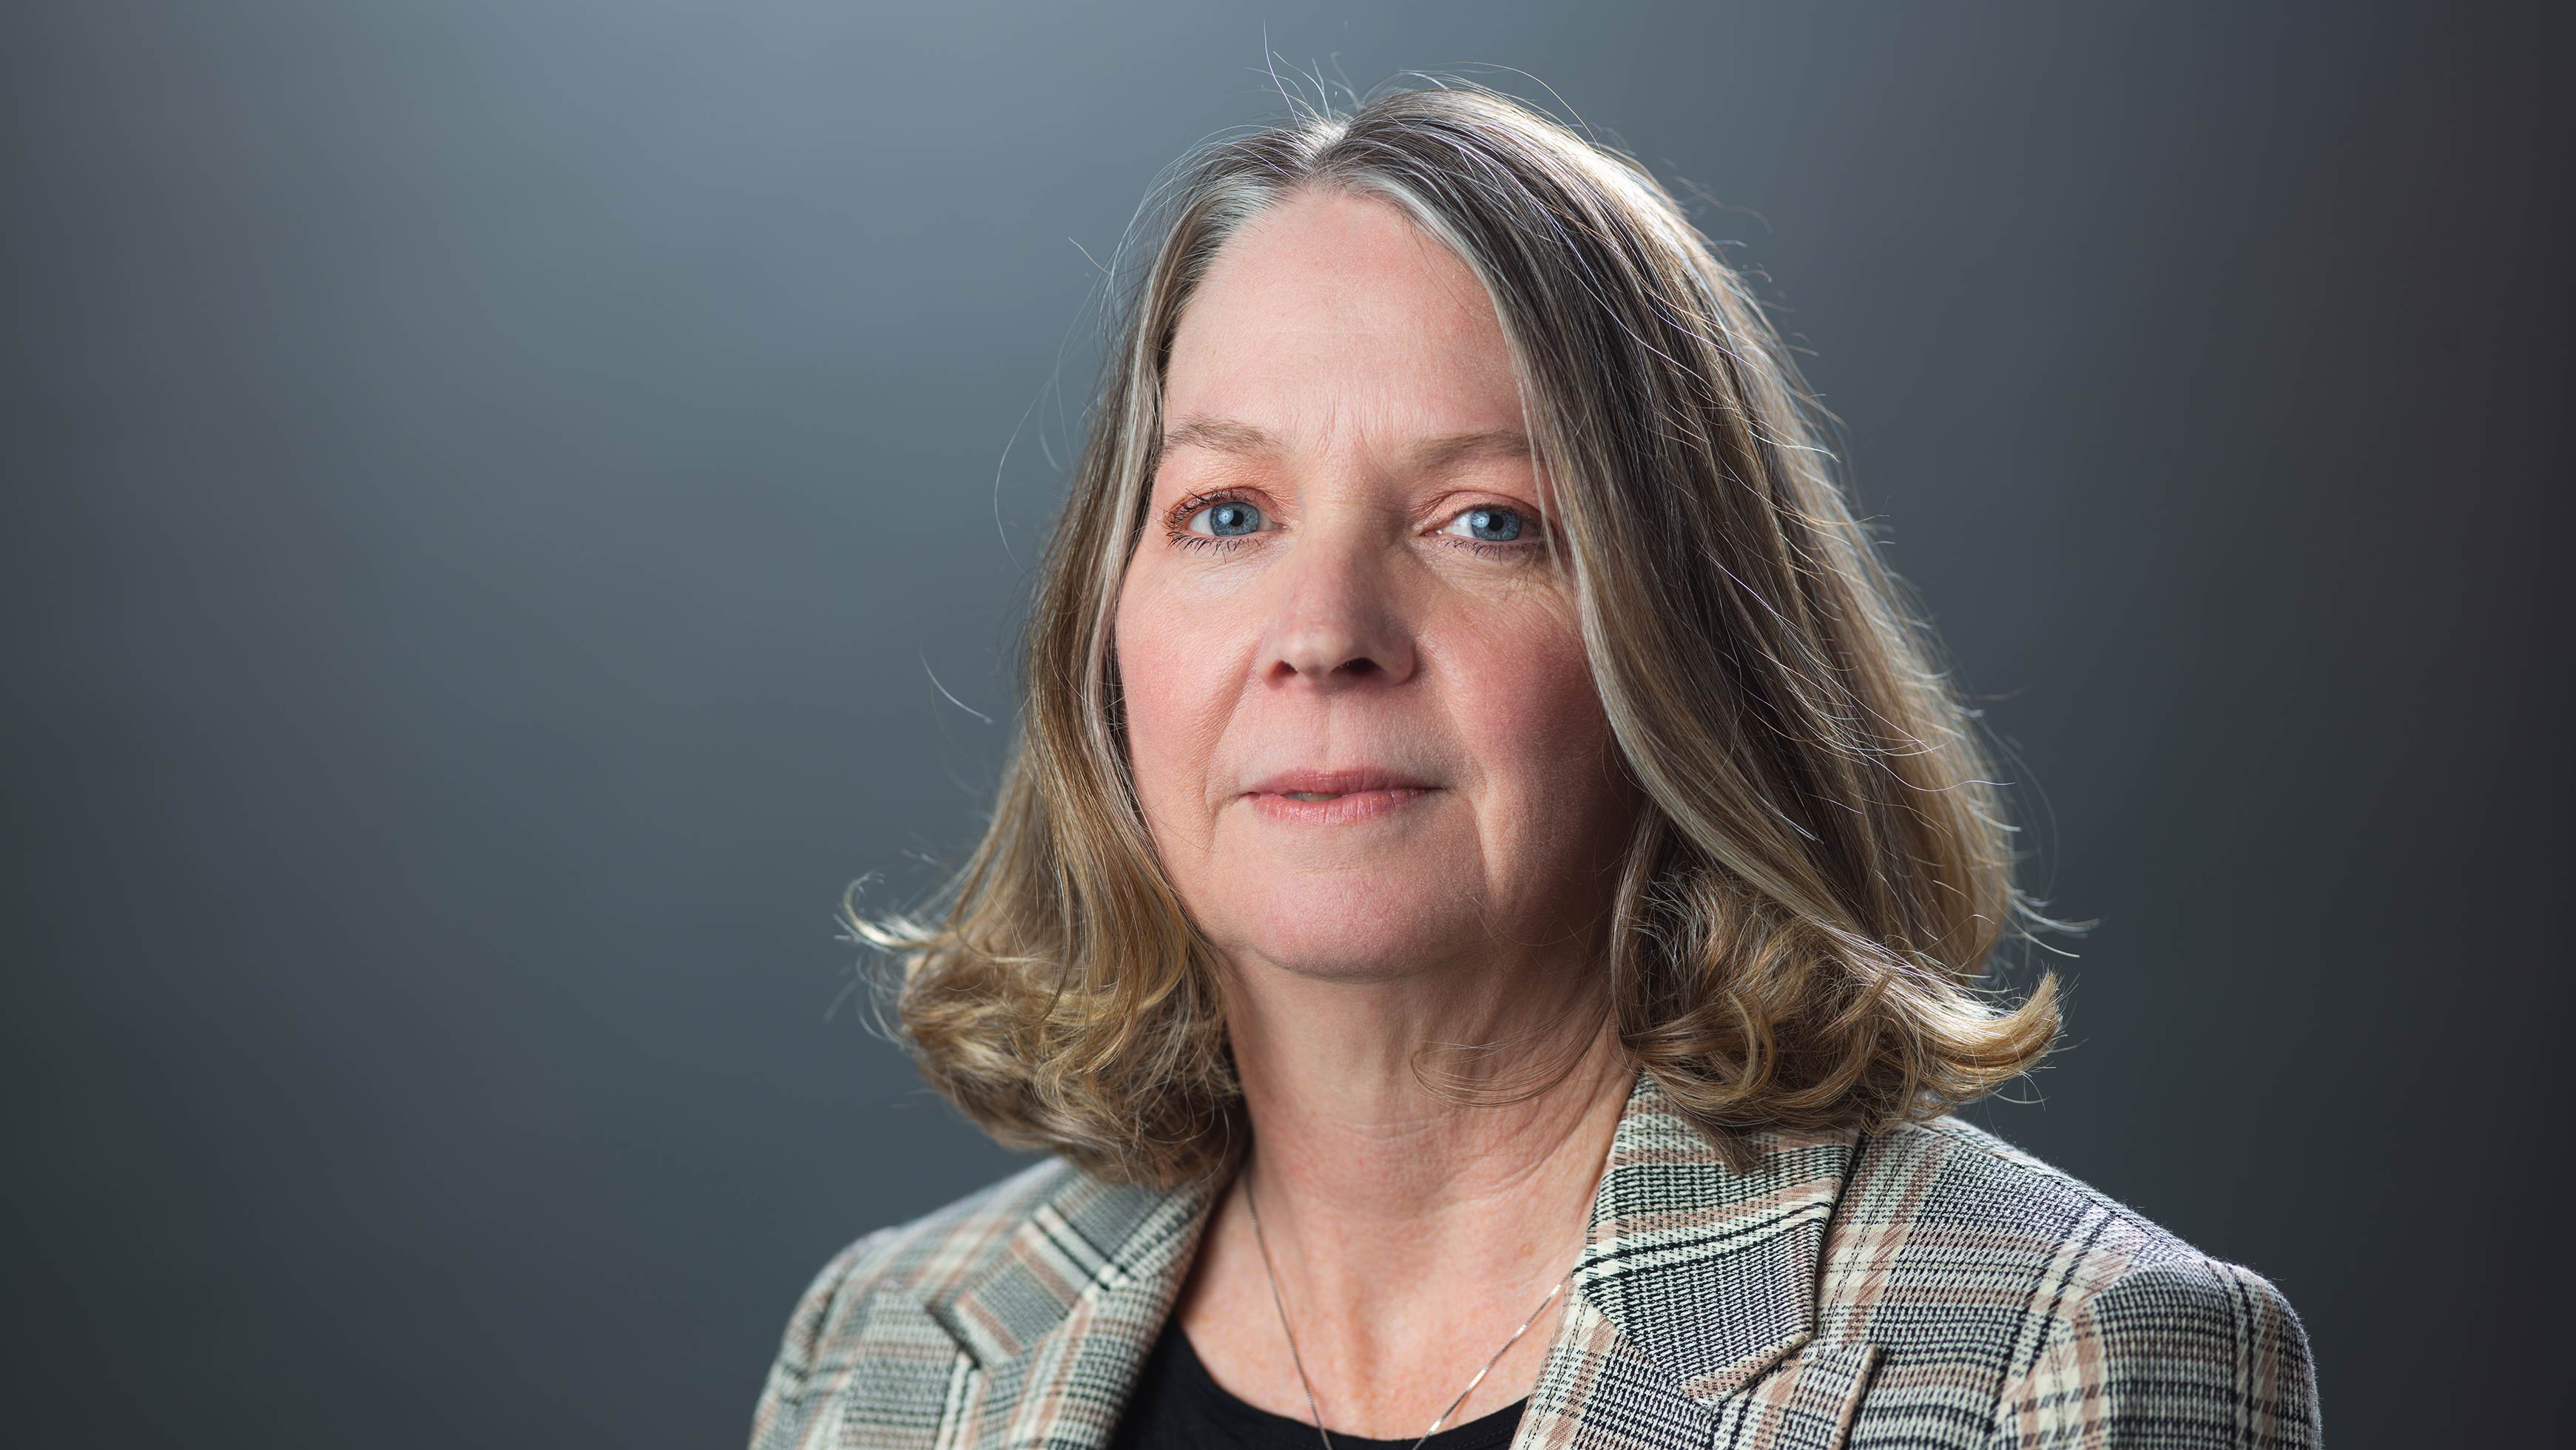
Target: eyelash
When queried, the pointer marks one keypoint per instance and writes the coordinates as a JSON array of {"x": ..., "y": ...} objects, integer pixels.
[
  {"x": 1176, "y": 527},
  {"x": 1176, "y": 523}
]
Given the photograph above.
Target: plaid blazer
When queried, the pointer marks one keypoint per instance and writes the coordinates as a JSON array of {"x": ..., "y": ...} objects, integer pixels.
[{"x": 1926, "y": 1287}]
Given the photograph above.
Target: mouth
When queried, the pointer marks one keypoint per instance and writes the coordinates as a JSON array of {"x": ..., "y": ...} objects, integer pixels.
[
  {"x": 1315, "y": 783},
  {"x": 1336, "y": 797}
]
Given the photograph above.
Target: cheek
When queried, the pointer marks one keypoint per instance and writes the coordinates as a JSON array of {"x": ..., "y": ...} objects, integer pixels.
[
  {"x": 1528, "y": 713},
  {"x": 1168, "y": 675}
]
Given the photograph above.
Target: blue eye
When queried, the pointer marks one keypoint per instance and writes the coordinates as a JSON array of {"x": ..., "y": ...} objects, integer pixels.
[
  {"x": 1227, "y": 519},
  {"x": 1487, "y": 523}
]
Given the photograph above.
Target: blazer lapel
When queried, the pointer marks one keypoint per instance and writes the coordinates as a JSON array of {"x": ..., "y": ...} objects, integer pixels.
[
  {"x": 1696, "y": 1282},
  {"x": 1043, "y": 1344}
]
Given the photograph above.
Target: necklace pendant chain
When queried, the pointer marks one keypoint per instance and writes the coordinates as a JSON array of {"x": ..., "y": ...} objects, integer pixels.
[{"x": 1281, "y": 1304}]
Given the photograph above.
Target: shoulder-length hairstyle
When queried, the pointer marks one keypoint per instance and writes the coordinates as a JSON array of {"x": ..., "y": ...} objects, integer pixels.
[{"x": 1822, "y": 868}]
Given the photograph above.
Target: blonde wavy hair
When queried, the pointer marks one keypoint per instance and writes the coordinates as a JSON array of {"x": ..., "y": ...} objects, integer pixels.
[{"x": 1822, "y": 870}]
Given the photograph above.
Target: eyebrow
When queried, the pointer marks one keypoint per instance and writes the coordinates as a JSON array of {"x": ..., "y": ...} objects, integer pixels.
[{"x": 1228, "y": 435}]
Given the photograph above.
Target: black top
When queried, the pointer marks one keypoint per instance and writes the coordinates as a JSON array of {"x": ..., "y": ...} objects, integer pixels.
[{"x": 1177, "y": 1405}]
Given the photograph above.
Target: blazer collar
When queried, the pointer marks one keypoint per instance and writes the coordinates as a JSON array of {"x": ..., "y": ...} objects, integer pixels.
[{"x": 1710, "y": 1275}]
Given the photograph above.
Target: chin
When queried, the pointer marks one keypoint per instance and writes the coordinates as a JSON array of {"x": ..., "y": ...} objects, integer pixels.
[{"x": 1359, "y": 926}]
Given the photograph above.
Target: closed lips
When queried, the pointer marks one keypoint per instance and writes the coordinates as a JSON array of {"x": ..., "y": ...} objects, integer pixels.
[{"x": 1324, "y": 785}]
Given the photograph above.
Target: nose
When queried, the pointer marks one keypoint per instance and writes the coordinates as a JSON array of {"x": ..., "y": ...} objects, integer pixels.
[{"x": 1338, "y": 622}]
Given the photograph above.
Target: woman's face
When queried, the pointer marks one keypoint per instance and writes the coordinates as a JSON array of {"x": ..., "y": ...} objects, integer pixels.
[{"x": 1362, "y": 727}]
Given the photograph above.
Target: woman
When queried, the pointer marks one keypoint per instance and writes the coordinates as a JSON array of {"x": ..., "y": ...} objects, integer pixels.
[{"x": 1488, "y": 900}]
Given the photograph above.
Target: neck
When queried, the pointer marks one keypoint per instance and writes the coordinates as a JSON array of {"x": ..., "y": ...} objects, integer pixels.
[
  {"x": 1410, "y": 1224},
  {"x": 1409, "y": 1132}
]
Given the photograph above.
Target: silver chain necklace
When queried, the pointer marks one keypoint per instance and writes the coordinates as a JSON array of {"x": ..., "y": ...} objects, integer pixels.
[{"x": 1282, "y": 1306}]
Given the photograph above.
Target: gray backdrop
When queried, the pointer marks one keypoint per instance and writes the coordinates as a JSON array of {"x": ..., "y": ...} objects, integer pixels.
[{"x": 490, "y": 486}]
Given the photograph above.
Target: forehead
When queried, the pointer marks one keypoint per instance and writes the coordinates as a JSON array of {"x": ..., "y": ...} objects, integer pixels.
[{"x": 1330, "y": 320}]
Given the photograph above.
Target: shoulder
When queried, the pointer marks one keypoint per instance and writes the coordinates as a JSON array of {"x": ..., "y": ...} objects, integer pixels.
[
  {"x": 923, "y": 1260},
  {"x": 1996, "y": 1279},
  {"x": 949, "y": 1244}
]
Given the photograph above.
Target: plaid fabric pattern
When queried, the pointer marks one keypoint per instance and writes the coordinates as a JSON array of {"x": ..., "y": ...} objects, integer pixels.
[{"x": 1929, "y": 1287}]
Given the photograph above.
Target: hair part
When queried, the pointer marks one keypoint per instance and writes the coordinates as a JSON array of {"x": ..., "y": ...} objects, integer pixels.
[{"x": 1823, "y": 868}]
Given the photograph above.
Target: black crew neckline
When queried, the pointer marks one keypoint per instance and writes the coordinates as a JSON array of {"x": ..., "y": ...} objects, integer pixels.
[{"x": 1486, "y": 1432}]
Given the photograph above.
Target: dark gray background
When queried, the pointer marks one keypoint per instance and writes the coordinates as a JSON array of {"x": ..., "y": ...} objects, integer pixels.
[{"x": 489, "y": 486}]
